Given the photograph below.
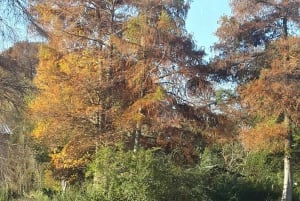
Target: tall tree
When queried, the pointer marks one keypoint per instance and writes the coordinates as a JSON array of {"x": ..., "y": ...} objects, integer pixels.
[
  {"x": 274, "y": 99},
  {"x": 114, "y": 71},
  {"x": 256, "y": 48},
  {"x": 75, "y": 105}
]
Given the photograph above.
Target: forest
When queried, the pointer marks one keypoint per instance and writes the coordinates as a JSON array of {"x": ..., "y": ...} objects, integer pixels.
[{"x": 113, "y": 100}]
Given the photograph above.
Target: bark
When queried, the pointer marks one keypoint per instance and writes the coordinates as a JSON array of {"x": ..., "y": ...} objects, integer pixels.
[{"x": 287, "y": 192}]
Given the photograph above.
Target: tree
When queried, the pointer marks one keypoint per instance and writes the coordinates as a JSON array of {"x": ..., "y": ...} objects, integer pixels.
[
  {"x": 114, "y": 71},
  {"x": 18, "y": 167},
  {"x": 75, "y": 104},
  {"x": 17, "y": 66},
  {"x": 257, "y": 49},
  {"x": 275, "y": 98},
  {"x": 13, "y": 85},
  {"x": 25, "y": 54},
  {"x": 244, "y": 36}
]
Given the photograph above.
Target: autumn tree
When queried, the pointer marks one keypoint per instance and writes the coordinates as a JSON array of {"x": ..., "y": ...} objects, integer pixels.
[
  {"x": 14, "y": 20},
  {"x": 18, "y": 167},
  {"x": 25, "y": 55},
  {"x": 256, "y": 48},
  {"x": 100, "y": 76},
  {"x": 245, "y": 35},
  {"x": 115, "y": 71},
  {"x": 74, "y": 102},
  {"x": 18, "y": 65},
  {"x": 161, "y": 58}
]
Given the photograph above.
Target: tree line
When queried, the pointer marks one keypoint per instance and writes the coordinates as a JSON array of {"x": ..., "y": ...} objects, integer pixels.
[{"x": 118, "y": 103}]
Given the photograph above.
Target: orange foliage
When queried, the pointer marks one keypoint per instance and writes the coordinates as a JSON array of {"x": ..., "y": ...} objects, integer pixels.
[
  {"x": 99, "y": 76},
  {"x": 274, "y": 93},
  {"x": 264, "y": 136},
  {"x": 276, "y": 90}
]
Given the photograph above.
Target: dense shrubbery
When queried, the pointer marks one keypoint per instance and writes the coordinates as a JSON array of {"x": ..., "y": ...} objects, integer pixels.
[{"x": 150, "y": 175}]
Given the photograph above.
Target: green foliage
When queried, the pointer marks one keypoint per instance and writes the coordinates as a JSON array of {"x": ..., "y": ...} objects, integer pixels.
[
  {"x": 262, "y": 174},
  {"x": 210, "y": 158},
  {"x": 256, "y": 177},
  {"x": 146, "y": 175},
  {"x": 38, "y": 195},
  {"x": 123, "y": 175},
  {"x": 158, "y": 95},
  {"x": 42, "y": 153},
  {"x": 135, "y": 27},
  {"x": 150, "y": 175},
  {"x": 3, "y": 194}
]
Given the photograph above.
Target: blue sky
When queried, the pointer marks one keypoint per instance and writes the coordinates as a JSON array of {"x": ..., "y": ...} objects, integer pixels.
[{"x": 202, "y": 20}]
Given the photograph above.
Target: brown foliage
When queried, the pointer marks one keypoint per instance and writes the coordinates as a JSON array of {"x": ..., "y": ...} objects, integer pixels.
[
  {"x": 274, "y": 93},
  {"x": 100, "y": 77},
  {"x": 244, "y": 36}
]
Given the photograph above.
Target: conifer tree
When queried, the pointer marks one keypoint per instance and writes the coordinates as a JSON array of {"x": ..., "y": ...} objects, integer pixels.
[
  {"x": 256, "y": 49},
  {"x": 115, "y": 71}
]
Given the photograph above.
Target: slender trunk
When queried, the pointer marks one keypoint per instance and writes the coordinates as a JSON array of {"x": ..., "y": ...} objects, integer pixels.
[
  {"x": 100, "y": 114},
  {"x": 63, "y": 185},
  {"x": 138, "y": 131},
  {"x": 137, "y": 137},
  {"x": 287, "y": 181},
  {"x": 96, "y": 179},
  {"x": 285, "y": 27},
  {"x": 287, "y": 192}
]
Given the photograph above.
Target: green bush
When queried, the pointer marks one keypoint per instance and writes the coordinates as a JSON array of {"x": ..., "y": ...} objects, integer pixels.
[{"x": 147, "y": 175}]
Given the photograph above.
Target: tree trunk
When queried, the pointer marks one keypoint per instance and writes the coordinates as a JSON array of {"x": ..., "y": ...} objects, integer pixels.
[
  {"x": 63, "y": 185},
  {"x": 287, "y": 181},
  {"x": 137, "y": 137},
  {"x": 287, "y": 192}
]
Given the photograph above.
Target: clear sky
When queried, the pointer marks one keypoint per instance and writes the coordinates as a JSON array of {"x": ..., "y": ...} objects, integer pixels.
[{"x": 202, "y": 20}]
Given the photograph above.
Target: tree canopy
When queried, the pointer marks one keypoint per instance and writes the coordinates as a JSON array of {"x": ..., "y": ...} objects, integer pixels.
[{"x": 118, "y": 71}]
